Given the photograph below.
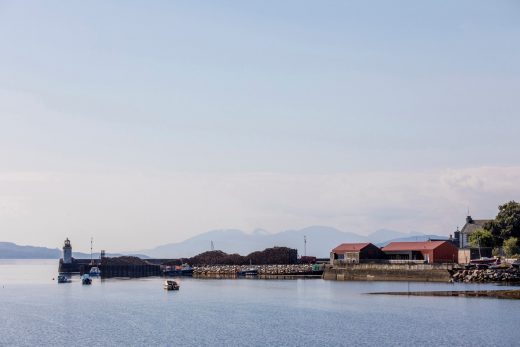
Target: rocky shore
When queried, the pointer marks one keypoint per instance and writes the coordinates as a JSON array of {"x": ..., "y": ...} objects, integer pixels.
[
  {"x": 487, "y": 275},
  {"x": 263, "y": 270}
]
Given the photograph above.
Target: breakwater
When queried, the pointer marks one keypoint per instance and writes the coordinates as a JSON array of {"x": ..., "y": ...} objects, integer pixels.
[
  {"x": 264, "y": 271},
  {"x": 389, "y": 272},
  {"x": 487, "y": 275}
]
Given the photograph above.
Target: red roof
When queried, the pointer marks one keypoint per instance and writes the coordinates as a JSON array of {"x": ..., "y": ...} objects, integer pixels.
[
  {"x": 350, "y": 247},
  {"x": 412, "y": 246}
]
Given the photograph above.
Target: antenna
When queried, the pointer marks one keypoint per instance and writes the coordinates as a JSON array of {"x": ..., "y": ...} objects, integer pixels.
[
  {"x": 304, "y": 245},
  {"x": 212, "y": 245}
]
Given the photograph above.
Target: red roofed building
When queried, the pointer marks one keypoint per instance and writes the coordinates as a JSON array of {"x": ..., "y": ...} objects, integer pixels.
[
  {"x": 355, "y": 253},
  {"x": 427, "y": 251}
]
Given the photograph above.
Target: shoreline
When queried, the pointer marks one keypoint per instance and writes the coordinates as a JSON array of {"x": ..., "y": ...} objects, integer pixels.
[{"x": 492, "y": 294}]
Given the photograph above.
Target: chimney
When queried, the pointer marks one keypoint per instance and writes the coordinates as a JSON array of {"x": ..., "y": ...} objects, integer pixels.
[{"x": 469, "y": 219}]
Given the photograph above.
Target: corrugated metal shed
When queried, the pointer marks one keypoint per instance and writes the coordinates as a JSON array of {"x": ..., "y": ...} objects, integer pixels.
[{"x": 412, "y": 246}]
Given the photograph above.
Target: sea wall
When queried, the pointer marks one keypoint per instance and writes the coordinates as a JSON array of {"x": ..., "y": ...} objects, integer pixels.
[
  {"x": 389, "y": 272},
  {"x": 488, "y": 275},
  {"x": 264, "y": 271}
]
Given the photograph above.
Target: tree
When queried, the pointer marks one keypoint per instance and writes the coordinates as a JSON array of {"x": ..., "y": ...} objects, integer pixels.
[
  {"x": 481, "y": 238},
  {"x": 511, "y": 246},
  {"x": 506, "y": 224}
]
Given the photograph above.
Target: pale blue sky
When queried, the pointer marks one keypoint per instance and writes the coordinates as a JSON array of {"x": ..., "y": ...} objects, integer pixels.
[{"x": 121, "y": 89}]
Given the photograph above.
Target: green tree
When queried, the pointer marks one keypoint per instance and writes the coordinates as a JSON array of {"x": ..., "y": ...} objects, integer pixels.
[
  {"x": 481, "y": 237},
  {"x": 506, "y": 224},
  {"x": 511, "y": 246}
]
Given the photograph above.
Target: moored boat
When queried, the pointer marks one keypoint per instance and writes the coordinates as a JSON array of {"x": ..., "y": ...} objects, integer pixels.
[
  {"x": 171, "y": 285},
  {"x": 94, "y": 271},
  {"x": 85, "y": 279},
  {"x": 63, "y": 279},
  {"x": 248, "y": 272},
  {"x": 182, "y": 270}
]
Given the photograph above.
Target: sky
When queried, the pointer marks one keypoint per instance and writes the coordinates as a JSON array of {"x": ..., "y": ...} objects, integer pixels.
[{"x": 145, "y": 123}]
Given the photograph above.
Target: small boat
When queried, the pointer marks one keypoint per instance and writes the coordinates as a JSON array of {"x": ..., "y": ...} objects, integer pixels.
[
  {"x": 85, "y": 279},
  {"x": 63, "y": 279},
  {"x": 182, "y": 270},
  {"x": 94, "y": 271},
  {"x": 248, "y": 272},
  {"x": 171, "y": 285},
  {"x": 487, "y": 261}
]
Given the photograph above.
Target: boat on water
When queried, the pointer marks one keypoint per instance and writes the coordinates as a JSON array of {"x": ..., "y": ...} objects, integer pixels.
[
  {"x": 171, "y": 285},
  {"x": 248, "y": 272},
  {"x": 63, "y": 279},
  {"x": 94, "y": 271},
  {"x": 182, "y": 270},
  {"x": 86, "y": 279}
]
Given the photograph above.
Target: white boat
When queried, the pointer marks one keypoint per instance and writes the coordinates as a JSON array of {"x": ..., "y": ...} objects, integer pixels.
[
  {"x": 94, "y": 271},
  {"x": 171, "y": 285}
]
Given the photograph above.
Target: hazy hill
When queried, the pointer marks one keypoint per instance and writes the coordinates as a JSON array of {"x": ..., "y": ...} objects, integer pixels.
[
  {"x": 9, "y": 250},
  {"x": 320, "y": 240}
]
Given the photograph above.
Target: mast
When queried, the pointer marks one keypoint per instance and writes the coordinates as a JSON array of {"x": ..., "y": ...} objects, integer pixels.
[
  {"x": 91, "y": 242},
  {"x": 304, "y": 245}
]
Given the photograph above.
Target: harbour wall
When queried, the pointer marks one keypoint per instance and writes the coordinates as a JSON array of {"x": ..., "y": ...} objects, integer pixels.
[
  {"x": 264, "y": 271},
  {"x": 108, "y": 271},
  {"x": 389, "y": 272}
]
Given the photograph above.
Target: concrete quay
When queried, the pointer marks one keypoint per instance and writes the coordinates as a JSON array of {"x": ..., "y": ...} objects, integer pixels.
[
  {"x": 264, "y": 271},
  {"x": 389, "y": 272}
]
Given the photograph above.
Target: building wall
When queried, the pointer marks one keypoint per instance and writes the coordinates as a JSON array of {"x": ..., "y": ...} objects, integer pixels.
[
  {"x": 468, "y": 254},
  {"x": 372, "y": 252},
  {"x": 67, "y": 255},
  {"x": 464, "y": 256},
  {"x": 445, "y": 253},
  {"x": 428, "y": 256}
]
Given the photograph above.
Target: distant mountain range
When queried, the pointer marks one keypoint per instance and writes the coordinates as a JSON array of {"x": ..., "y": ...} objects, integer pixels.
[
  {"x": 9, "y": 250},
  {"x": 320, "y": 240}
]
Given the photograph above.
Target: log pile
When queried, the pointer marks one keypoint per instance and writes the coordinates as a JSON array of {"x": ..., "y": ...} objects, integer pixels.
[{"x": 275, "y": 255}]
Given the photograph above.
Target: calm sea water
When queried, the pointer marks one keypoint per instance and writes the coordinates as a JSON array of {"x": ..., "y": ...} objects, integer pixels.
[{"x": 36, "y": 311}]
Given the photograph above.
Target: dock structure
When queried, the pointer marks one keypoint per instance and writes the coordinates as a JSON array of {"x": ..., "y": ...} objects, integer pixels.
[
  {"x": 133, "y": 271},
  {"x": 389, "y": 272},
  {"x": 110, "y": 269}
]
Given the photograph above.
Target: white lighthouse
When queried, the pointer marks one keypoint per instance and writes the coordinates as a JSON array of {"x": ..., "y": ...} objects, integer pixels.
[{"x": 67, "y": 252}]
